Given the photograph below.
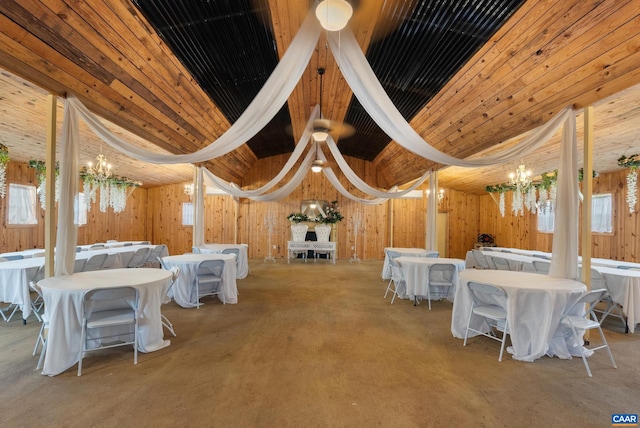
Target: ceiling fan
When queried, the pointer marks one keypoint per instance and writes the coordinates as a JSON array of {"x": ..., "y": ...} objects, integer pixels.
[{"x": 322, "y": 127}]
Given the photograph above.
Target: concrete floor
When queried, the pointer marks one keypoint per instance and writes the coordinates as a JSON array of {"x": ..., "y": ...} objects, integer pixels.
[{"x": 316, "y": 345}]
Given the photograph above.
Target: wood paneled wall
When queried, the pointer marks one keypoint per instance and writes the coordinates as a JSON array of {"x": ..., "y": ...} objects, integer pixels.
[
  {"x": 403, "y": 219},
  {"x": 125, "y": 226},
  {"x": 521, "y": 231}
]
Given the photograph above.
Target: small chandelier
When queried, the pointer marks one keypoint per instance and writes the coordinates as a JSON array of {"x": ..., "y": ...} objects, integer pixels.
[
  {"x": 521, "y": 178},
  {"x": 188, "y": 190},
  {"x": 101, "y": 170},
  {"x": 334, "y": 14},
  {"x": 440, "y": 194}
]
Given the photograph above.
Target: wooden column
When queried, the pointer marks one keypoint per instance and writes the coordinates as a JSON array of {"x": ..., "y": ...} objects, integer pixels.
[
  {"x": 587, "y": 191},
  {"x": 49, "y": 216}
]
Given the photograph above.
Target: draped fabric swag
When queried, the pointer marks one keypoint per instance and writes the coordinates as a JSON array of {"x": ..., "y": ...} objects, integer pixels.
[{"x": 266, "y": 104}]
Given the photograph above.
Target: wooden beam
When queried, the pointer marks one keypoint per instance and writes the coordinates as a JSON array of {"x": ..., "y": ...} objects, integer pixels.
[
  {"x": 587, "y": 191},
  {"x": 49, "y": 216}
]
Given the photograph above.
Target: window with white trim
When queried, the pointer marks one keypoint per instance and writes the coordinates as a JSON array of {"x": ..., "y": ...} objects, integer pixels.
[
  {"x": 601, "y": 215},
  {"x": 187, "y": 214},
  {"x": 22, "y": 205},
  {"x": 80, "y": 210}
]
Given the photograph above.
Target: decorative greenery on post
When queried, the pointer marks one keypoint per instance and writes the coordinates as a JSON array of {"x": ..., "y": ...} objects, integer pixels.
[
  {"x": 632, "y": 162},
  {"x": 4, "y": 161}
]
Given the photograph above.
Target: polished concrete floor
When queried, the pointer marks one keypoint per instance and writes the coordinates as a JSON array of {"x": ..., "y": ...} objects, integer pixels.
[{"x": 316, "y": 345}]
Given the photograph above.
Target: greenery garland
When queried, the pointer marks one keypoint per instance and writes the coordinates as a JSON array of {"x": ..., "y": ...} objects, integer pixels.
[
  {"x": 4, "y": 154},
  {"x": 547, "y": 180},
  {"x": 632, "y": 161}
]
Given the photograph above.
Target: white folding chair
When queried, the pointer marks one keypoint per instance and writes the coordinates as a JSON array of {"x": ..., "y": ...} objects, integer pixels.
[
  {"x": 541, "y": 267},
  {"x": 41, "y": 340},
  {"x": 234, "y": 251},
  {"x": 79, "y": 265},
  {"x": 500, "y": 263},
  {"x": 484, "y": 304},
  {"x": 139, "y": 258},
  {"x": 105, "y": 308},
  {"x": 94, "y": 262},
  {"x": 612, "y": 308},
  {"x": 481, "y": 259},
  {"x": 441, "y": 277},
  {"x": 397, "y": 276},
  {"x": 582, "y": 323},
  {"x": 175, "y": 273},
  {"x": 157, "y": 251},
  {"x": 208, "y": 280}
]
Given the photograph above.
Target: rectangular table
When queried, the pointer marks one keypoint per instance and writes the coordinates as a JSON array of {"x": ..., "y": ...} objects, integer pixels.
[
  {"x": 63, "y": 302},
  {"x": 15, "y": 275},
  {"x": 416, "y": 276},
  {"x": 535, "y": 305},
  {"x": 297, "y": 246}
]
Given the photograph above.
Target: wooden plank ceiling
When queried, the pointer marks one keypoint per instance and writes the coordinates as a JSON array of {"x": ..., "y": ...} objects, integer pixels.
[{"x": 467, "y": 78}]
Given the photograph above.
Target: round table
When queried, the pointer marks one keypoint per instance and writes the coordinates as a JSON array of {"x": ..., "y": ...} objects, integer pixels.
[
  {"x": 63, "y": 305},
  {"x": 188, "y": 264}
]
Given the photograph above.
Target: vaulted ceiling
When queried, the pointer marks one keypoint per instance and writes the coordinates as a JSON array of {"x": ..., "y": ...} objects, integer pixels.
[{"x": 467, "y": 75}]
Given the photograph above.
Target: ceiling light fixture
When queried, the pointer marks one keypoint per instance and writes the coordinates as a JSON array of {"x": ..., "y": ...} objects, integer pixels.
[
  {"x": 334, "y": 14},
  {"x": 101, "y": 170},
  {"x": 521, "y": 178}
]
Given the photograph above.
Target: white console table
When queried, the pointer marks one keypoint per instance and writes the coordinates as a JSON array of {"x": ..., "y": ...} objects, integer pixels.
[{"x": 325, "y": 247}]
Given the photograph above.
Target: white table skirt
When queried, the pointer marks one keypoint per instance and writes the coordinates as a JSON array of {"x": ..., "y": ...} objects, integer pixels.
[
  {"x": 242, "y": 262},
  {"x": 624, "y": 286},
  {"x": 16, "y": 274},
  {"x": 416, "y": 276},
  {"x": 63, "y": 302},
  {"x": 188, "y": 264},
  {"x": 535, "y": 304},
  {"x": 406, "y": 252}
]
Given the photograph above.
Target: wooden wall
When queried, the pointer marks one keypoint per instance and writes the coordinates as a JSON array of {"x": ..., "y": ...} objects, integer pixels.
[
  {"x": 521, "y": 231},
  {"x": 403, "y": 219},
  {"x": 128, "y": 225}
]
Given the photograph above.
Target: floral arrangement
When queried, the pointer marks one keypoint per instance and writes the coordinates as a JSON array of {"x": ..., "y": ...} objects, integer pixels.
[
  {"x": 297, "y": 217},
  {"x": 632, "y": 162},
  {"x": 332, "y": 214},
  {"x": 485, "y": 238},
  {"x": 113, "y": 190},
  {"x": 41, "y": 176},
  {"x": 4, "y": 160}
]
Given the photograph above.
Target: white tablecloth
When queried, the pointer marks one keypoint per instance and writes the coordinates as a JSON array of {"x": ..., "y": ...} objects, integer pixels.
[
  {"x": 406, "y": 252},
  {"x": 63, "y": 303},
  {"x": 34, "y": 252},
  {"x": 535, "y": 304},
  {"x": 624, "y": 286},
  {"x": 16, "y": 274},
  {"x": 188, "y": 264},
  {"x": 242, "y": 262},
  {"x": 416, "y": 276}
]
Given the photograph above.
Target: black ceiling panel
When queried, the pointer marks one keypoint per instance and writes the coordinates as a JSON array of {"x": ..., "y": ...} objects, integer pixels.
[{"x": 229, "y": 48}]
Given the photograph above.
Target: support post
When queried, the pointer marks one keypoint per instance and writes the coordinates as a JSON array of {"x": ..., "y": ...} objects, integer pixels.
[{"x": 49, "y": 216}]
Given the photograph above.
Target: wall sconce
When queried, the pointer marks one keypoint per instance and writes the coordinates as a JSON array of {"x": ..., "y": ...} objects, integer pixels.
[
  {"x": 440, "y": 195},
  {"x": 188, "y": 190}
]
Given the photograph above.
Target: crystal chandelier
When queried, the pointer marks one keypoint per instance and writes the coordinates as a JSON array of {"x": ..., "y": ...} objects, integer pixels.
[
  {"x": 521, "y": 178},
  {"x": 101, "y": 170}
]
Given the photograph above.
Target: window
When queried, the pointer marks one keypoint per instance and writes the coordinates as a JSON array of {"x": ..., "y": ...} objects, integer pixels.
[
  {"x": 546, "y": 215},
  {"x": 80, "y": 210},
  {"x": 601, "y": 215},
  {"x": 187, "y": 214},
  {"x": 22, "y": 205}
]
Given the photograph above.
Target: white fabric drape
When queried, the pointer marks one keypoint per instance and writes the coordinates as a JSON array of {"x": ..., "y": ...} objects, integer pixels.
[
  {"x": 262, "y": 109},
  {"x": 366, "y": 87},
  {"x": 432, "y": 212},
  {"x": 198, "y": 212},
  {"x": 67, "y": 233},
  {"x": 564, "y": 260}
]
